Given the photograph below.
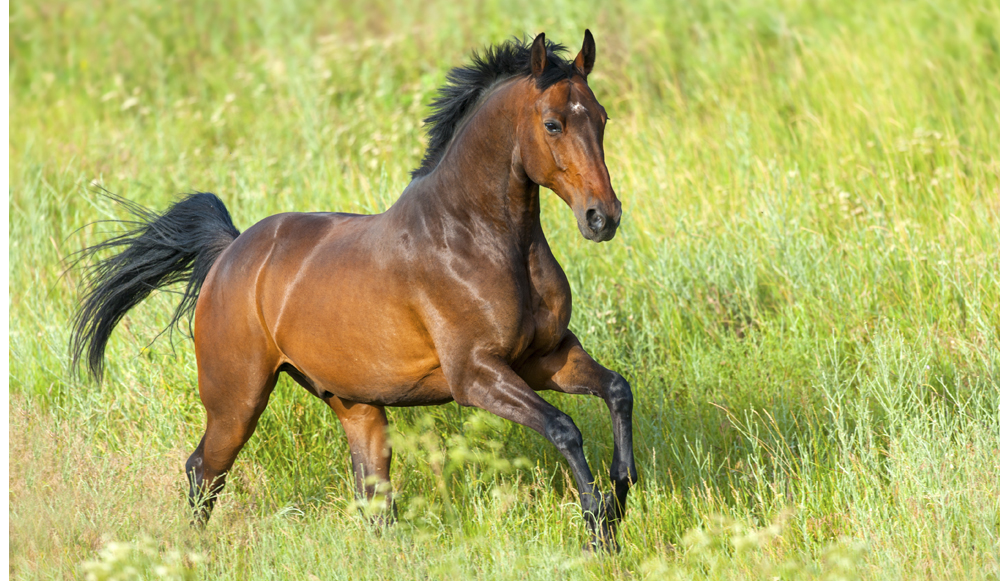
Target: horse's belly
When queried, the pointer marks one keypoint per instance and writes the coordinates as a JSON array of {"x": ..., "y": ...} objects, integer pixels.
[
  {"x": 369, "y": 360},
  {"x": 431, "y": 389},
  {"x": 394, "y": 382}
]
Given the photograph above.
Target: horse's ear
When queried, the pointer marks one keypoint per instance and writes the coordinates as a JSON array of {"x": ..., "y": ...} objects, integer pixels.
[
  {"x": 584, "y": 62},
  {"x": 538, "y": 56}
]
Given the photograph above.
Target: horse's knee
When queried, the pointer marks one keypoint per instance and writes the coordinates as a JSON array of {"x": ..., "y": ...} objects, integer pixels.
[
  {"x": 563, "y": 433},
  {"x": 619, "y": 395}
]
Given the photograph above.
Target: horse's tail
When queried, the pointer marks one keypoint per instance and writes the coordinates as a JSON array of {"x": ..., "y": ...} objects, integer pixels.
[{"x": 178, "y": 245}]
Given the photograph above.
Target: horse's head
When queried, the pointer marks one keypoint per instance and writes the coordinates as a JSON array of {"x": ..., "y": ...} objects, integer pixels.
[{"x": 561, "y": 142}]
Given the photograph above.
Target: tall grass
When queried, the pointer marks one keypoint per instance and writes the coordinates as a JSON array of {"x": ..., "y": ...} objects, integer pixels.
[{"x": 804, "y": 292}]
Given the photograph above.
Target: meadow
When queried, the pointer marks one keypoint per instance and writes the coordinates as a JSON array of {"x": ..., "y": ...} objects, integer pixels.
[{"x": 804, "y": 292}]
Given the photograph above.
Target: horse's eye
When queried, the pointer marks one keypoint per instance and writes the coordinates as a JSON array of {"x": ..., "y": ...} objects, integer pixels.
[{"x": 553, "y": 126}]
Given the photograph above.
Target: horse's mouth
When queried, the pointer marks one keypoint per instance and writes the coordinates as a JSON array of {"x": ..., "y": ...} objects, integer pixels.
[{"x": 607, "y": 232}]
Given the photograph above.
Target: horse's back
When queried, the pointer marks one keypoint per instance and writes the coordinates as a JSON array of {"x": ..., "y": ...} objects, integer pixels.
[{"x": 278, "y": 240}]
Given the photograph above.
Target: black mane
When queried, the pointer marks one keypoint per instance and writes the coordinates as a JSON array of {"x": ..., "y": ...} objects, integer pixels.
[{"x": 465, "y": 85}]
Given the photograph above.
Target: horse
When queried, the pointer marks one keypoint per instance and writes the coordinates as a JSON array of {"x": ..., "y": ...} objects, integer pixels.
[{"x": 452, "y": 294}]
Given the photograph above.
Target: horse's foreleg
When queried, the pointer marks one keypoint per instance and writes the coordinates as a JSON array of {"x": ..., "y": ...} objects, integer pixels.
[
  {"x": 493, "y": 386},
  {"x": 569, "y": 369},
  {"x": 371, "y": 456}
]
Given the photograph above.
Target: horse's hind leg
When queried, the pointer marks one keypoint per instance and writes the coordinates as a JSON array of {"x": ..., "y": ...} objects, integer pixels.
[
  {"x": 234, "y": 398},
  {"x": 365, "y": 426}
]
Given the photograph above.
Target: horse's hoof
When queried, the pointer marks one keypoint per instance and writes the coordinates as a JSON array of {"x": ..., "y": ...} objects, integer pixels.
[
  {"x": 604, "y": 526},
  {"x": 602, "y": 545}
]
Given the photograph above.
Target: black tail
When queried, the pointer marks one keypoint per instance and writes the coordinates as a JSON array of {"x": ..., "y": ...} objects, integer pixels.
[{"x": 160, "y": 249}]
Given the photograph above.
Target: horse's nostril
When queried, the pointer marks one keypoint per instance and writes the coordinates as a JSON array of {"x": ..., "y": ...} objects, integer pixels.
[{"x": 595, "y": 220}]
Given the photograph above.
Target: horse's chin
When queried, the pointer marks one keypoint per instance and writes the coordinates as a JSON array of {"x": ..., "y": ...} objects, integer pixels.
[{"x": 603, "y": 236}]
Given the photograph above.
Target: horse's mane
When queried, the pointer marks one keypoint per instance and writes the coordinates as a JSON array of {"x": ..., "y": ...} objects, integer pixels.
[{"x": 465, "y": 85}]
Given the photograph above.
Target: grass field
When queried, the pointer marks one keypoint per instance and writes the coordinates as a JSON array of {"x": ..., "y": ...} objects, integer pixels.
[{"x": 804, "y": 293}]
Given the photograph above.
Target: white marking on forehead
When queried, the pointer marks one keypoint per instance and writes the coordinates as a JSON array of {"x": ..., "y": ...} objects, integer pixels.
[{"x": 577, "y": 107}]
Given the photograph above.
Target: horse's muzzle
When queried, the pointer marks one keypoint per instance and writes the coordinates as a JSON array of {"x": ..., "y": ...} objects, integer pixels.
[{"x": 599, "y": 226}]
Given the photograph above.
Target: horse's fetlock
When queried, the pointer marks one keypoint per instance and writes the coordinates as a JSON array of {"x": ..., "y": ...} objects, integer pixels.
[
  {"x": 624, "y": 472},
  {"x": 592, "y": 504}
]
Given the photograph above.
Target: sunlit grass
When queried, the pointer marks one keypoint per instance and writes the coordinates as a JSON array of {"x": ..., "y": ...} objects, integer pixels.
[{"x": 804, "y": 292}]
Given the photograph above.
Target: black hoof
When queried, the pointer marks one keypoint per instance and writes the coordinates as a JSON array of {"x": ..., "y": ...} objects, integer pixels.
[{"x": 604, "y": 525}]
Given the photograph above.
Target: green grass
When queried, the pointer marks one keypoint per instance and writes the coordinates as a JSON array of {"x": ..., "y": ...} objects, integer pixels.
[{"x": 804, "y": 293}]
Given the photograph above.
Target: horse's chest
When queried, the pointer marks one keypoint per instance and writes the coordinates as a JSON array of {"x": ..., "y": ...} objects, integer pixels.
[
  {"x": 549, "y": 305},
  {"x": 515, "y": 309},
  {"x": 550, "y": 314}
]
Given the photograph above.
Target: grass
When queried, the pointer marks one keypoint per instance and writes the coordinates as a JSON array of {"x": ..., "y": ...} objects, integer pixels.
[{"x": 804, "y": 293}]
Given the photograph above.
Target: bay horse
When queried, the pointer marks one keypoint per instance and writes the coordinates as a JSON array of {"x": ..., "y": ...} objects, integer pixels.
[{"x": 452, "y": 294}]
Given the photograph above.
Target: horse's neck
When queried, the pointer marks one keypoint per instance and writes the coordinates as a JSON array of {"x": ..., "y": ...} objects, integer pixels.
[{"x": 477, "y": 177}]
